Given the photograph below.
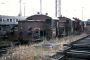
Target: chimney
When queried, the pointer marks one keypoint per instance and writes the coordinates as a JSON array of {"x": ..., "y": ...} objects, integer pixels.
[
  {"x": 38, "y": 13},
  {"x": 46, "y": 13}
]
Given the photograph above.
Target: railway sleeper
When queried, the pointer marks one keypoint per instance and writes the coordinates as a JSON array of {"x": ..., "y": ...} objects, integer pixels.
[
  {"x": 77, "y": 41},
  {"x": 3, "y": 51},
  {"x": 75, "y": 59},
  {"x": 80, "y": 49},
  {"x": 81, "y": 45},
  {"x": 63, "y": 51},
  {"x": 1, "y": 47},
  {"x": 75, "y": 51},
  {"x": 67, "y": 44},
  {"x": 78, "y": 55}
]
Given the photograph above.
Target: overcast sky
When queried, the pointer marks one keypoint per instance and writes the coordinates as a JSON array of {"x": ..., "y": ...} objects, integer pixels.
[{"x": 69, "y": 8}]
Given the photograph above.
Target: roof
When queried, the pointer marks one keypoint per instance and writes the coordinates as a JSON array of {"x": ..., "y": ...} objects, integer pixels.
[
  {"x": 29, "y": 20},
  {"x": 56, "y": 18},
  {"x": 12, "y": 17},
  {"x": 37, "y": 16},
  {"x": 41, "y": 17},
  {"x": 64, "y": 17}
]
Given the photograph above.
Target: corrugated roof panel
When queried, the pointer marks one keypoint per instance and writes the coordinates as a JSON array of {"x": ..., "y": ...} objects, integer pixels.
[{"x": 12, "y": 17}]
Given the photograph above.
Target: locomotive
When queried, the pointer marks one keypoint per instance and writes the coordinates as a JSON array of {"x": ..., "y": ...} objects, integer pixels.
[
  {"x": 65, "y": 26},
  {"x": 78, "y": 25},
  {"x": 37, "y": 27}
]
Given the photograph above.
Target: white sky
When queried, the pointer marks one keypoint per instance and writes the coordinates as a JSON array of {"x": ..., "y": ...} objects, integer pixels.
[{"x": 69, "y": 8}]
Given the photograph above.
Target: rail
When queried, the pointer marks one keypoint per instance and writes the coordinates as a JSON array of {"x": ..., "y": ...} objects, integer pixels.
[{"x": 79, "y": 49}]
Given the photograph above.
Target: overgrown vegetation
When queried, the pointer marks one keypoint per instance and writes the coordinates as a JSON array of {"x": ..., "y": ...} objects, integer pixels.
[
  {"x": 87, "y": 30},
  {"x": 29, "y": 52},
  {"x": 4, "y": 43}
]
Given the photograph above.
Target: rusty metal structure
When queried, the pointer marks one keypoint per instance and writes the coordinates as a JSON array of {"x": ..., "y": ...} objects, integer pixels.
[
  {"x": 37, "y": 27},
  {"x": 78, "y": 25},
  {"x": 65, "y": 26}
]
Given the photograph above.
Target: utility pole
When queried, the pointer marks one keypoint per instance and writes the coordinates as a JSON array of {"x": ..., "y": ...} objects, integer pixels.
[
  {"x": 20, "y": 14},
  {"x": 24, "y": 9},
  {"x": 82, "y": 13},
  {"x": 40, "y": 6},
  {"x": 33, "y": 10},
  {"x": 66, "y": 13},
  {"x": 57, "y": 8},
  {"x": 75, "y": 13}
]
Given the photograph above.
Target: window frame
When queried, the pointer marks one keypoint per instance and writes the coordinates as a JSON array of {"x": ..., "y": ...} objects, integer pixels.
[
  {"x": 11, "y": 20},
  {"x": 8, "y": 20},
  {"x": 0, "y": 19},
  {"x": 16, "y": 20}
]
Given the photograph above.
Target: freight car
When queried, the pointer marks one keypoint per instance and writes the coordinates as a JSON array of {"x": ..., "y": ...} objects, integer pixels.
[
  {"x": 65, "y": 26},
  {"x": 78, "y": 25},
  {"x": 37, "y": 27}
]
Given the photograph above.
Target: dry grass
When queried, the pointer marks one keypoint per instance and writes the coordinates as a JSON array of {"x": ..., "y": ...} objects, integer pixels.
[
  {"x": 28, "y": 52},
  {"x": 87, "y": 30}
]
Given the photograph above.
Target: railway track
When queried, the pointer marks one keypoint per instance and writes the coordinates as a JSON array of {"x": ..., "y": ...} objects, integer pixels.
[
  {"x": 4, "y": 49},
  {"x": 78, "y": 50}
]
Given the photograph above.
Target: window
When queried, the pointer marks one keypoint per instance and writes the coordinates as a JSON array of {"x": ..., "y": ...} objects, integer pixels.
[
  {"x": 7, "y": 20},
  {"x": 36, "y": 31},
  {"x": 54, "y": 23},
  {"x": 42, "y": 32},
  {"x": 16, "y": 20},
  {"x": 67, "y": 21},
  {"x": 29, "y": 27},
  {"x": 0, "y": 19},
  {"x": 48, "y": 22},
  {"x": 10, "y": 20},
  {"x": 19, "y": 20},
  {"x": 4, "y": 20}
]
